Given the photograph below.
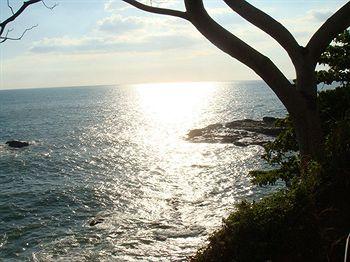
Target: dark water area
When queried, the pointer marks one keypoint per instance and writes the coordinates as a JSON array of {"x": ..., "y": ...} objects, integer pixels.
[{"x": 119, "y": 153}]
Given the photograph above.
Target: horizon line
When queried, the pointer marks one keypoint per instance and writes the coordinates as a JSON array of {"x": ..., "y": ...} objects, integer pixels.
[{"x": 127, "y": 84}]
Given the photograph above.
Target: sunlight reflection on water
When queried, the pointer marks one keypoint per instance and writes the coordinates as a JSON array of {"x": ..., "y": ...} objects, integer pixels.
[
  {"x": 180, "y": 194},
  {"x": 119, "y": 153},
  {"x": 173, "y": 103}
]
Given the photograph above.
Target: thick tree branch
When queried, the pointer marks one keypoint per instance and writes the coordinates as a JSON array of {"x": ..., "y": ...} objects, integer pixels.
[
  {"x": 233, "y": 46},
  {"x": 300, "y": 101},
  {"x": 269, "y": 25},
  {"x": 157, "y": 10},
  {"x": 336, "y": 24},
  {"x": 241, "y": 51}
]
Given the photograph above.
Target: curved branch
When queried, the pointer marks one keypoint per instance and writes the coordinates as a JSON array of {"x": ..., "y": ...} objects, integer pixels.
[
  {"x": 336, "y": 24},
  {"x": 10, "y": 7},
  {"x": 16, "y": 14},
  {"x": 241, "y": 51},
  {"x": 157, "y": 10},
  {"x": 5, "y": 38},
  {"x": 269, "y": 25},
  {"x": 49, "y": 7},
  {"x": 236, "y": 48}
]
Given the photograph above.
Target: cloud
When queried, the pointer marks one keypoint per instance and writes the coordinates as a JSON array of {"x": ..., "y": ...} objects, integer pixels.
[
  {"x": 124, "y": 33},
  {"x": 136, "y": 26},
  {"x": 303, "y": 27},
  {"x": 217, "y": 11},
  {"x": 113, "y": 5},
  {"x": 320, "y": 15},
  {"x": 88, "y": 45},
  {"x": 118, "y": 24}
]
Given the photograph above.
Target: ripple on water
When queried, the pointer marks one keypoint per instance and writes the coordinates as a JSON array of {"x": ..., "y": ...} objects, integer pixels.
[{"x": 118, "y": 153}]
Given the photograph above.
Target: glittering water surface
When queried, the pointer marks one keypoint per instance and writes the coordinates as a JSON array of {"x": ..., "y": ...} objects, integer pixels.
[{"x": 119, "y": 153}]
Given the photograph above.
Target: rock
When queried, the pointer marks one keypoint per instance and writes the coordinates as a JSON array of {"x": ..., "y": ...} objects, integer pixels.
[
  {"x": 240, "y": 132},
  {"x": 96, "y": 221},
  {"x": 269, "y": 119},
  {"x": 17, "y": 144},
  {"x": 195, "y": 132},
  {"x": 260, "y": 127}
]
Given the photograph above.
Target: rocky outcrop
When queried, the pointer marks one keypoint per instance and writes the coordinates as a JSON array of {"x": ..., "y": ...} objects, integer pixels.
[
  {"x": 240, "y": 132},
  {"x": 17, "y": 144}
]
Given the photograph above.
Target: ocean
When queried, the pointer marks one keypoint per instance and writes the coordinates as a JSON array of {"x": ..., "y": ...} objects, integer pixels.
[{"x": 119, "y": 154}]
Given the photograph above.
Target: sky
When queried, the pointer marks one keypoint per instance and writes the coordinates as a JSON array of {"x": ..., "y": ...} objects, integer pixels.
[{"x": 108, "y": 42}]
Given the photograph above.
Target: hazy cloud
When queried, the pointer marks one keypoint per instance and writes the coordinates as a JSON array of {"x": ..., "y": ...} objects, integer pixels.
[
  {"x": 113, "y": 5},
  {"x": 217, "y": 11},
  {"x": 119, "y": 24},
  {"x": 320, "y": 15},
  {"x": 304, "y": 27},
  {"x": 155, "y": 43}
]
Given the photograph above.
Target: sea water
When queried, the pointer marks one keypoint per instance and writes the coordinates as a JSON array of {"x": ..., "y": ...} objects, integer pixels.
[{"x": 119, "y": 153}]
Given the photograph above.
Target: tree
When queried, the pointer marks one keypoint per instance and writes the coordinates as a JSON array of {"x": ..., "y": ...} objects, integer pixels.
[
  {"x": 334, "y": 112},
  {"x": 308, "y": 220},
  {"x": 299, "y": 99},
  {"x": 5, "y": 31}
]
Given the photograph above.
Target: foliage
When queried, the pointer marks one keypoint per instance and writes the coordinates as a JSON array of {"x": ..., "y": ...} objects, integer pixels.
[
  {"x": 308, "y": 220},
  {"x": 334, "y": 106},
  {"x": 334, "y": 109},
  {"x": 336, "y": 59},
  {"x": 281, "y": 154},
  {"x": 274, "y": 229}
]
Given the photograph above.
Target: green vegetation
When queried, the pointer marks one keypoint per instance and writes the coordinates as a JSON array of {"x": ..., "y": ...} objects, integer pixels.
[{"x": 309, "y": 219}]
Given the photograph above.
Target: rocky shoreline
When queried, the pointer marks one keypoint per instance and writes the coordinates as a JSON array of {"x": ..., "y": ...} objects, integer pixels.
[{"x": 243, "y": 132}]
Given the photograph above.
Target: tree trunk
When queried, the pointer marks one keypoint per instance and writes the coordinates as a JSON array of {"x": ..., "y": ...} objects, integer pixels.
[
  {"x": 305, "y": 115},
  {"x": 304, "y": 110},
  {"x": 309, "y": 134}
]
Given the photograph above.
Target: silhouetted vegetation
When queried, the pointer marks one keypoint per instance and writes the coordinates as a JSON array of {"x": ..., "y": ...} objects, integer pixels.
[{"x": 309, "y": 219}]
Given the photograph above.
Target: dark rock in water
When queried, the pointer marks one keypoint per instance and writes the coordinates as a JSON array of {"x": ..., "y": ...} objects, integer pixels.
[
  {"x": 17, "y": 144},
  {"x": 269, "y": 119},
  {"x": 240, "y": 132},
  {"x": 201, "y": 131},
  {"x": 261, "y": 127},
  {"x": 96, "y": 221}
]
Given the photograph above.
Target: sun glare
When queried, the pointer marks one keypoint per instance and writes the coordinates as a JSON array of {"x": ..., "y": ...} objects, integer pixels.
[{"x": 173, "y": 102}]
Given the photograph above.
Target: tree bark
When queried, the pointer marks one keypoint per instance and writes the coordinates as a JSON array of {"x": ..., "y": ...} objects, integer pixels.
[
  {"x": 309, "y": 133},
  {"x": 305, "y": 115}
]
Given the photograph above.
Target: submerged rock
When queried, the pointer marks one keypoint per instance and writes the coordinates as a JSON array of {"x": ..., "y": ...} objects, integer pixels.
[
  {"x": 240, "y": 132},
  {"x": 96, "y": 221},
  {"x": 17, "y": 144}
]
